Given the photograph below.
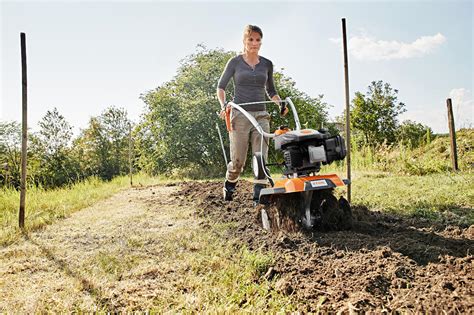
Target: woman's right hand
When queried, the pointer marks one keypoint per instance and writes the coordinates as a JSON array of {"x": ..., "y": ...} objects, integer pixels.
[{"x": 222, "y": 113}]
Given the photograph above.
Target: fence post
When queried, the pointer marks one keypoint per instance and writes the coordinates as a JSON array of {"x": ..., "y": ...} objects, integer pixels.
[
  {"x": 348, "y": 120},
  {"x": 452, "y": 135},
  {"x": 24, "y": 129}
]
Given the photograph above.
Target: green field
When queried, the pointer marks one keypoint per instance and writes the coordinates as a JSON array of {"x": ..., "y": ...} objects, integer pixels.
[{"x": 447, "y": 197}]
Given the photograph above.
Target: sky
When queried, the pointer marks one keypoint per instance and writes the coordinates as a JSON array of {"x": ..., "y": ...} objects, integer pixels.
[{"x": 84, "y": 56}]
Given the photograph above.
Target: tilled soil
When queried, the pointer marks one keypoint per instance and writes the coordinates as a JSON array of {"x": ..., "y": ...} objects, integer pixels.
[{"x": 383, "y": 262}]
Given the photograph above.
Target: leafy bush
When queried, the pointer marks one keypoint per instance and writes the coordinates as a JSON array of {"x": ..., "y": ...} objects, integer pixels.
[{"x": 413, "y": 134}]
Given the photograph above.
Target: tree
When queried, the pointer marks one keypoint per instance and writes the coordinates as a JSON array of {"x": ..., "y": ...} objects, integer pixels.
[
  {"x": 102, "y": 147},
  {"x": 178, "y": 127},
  {"x": 374, "y": 116},
  {"x": 115, "y": 125},
  {"x": 51, "y": 147},
  {"x": 413, "y": 134},
  {"x": 10, "y": 154},
  {"x": 179, "y": 121}
]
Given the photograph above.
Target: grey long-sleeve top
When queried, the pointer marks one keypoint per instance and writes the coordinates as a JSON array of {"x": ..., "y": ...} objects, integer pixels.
[{"x": 250, "y": 84}]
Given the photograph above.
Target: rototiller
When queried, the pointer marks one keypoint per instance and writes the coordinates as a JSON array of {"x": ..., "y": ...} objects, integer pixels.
[{"x": 304, "y": 151}]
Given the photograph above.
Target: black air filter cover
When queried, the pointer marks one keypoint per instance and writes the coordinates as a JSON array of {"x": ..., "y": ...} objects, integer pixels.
[
  {"x": 335, "y": 149},
  {"x": 293, "y": 157}
]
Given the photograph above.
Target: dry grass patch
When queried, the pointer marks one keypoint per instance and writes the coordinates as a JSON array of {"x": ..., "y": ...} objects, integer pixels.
[{"x": 142, "y": 249}]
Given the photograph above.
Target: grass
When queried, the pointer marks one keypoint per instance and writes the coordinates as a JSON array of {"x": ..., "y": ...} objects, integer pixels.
[
  {"x": 143, "y": 264},
  {"x": 431, "y": 158},
  {"x": 200, "y": 272},
  {"x": 447, "y": 197},
  {"x": 441, "y": 197},
  {"x": 191, "y": 270},
  {"x": 215, "y": 276},
  {"x": 44, "y": 207}
]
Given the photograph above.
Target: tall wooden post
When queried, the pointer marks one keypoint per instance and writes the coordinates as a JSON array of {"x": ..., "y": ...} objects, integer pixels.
[
  {"x": 24, "y": 129},
  {"x": 348, "y": 120},
  {"x": 452, "y": 135},
  {"x": 130, "y": 152}
]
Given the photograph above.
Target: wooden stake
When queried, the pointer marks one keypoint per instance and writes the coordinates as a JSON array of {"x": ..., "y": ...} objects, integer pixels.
[
  {"x": 348, "y": 121},
  {"x": 24, "y": 129},
  {"x": 452, "y": 135},
  {"x": 130, "y": 152}
]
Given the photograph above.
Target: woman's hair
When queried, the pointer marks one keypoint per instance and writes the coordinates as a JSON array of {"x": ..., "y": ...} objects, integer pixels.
[{"x": 252, "y": 28}]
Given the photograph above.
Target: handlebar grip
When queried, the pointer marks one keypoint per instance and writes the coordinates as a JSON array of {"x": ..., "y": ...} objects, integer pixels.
[{"x": 227, "y": 118}]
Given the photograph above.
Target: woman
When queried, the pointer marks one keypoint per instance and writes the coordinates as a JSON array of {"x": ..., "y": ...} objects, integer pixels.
[{"x": 253, "y": 79}]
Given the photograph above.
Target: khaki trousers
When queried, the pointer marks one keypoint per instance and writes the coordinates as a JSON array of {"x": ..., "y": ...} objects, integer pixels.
[{"x": 242, "y": 130}]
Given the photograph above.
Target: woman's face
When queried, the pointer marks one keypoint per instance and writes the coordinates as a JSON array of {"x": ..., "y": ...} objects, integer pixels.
[{"x": 253, "y": 42}]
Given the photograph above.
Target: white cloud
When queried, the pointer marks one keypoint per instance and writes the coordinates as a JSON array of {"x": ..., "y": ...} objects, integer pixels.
[
  {"x": 463, "y": 108},
  {"x": 365, "y": 47},
  {"x": 436, "y": 115}
]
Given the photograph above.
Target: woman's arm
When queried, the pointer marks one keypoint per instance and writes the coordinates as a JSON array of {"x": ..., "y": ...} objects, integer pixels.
[
  {"x": 271, "y": 90},
  {"x": 221, "y": 98},
  {"x": 222, "y": 84}
]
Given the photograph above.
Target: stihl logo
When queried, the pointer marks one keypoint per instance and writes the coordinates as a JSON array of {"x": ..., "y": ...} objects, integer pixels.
[{"x": 318, "y": 183}]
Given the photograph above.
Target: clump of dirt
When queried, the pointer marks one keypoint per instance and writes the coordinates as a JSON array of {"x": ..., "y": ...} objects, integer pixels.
[{"x": 383, "y": 263}]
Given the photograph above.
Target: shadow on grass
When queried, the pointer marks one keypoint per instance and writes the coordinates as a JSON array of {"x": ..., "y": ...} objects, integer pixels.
[
  {"x": 438, "y": 217},
  {"x": 86, "y": 285}
]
